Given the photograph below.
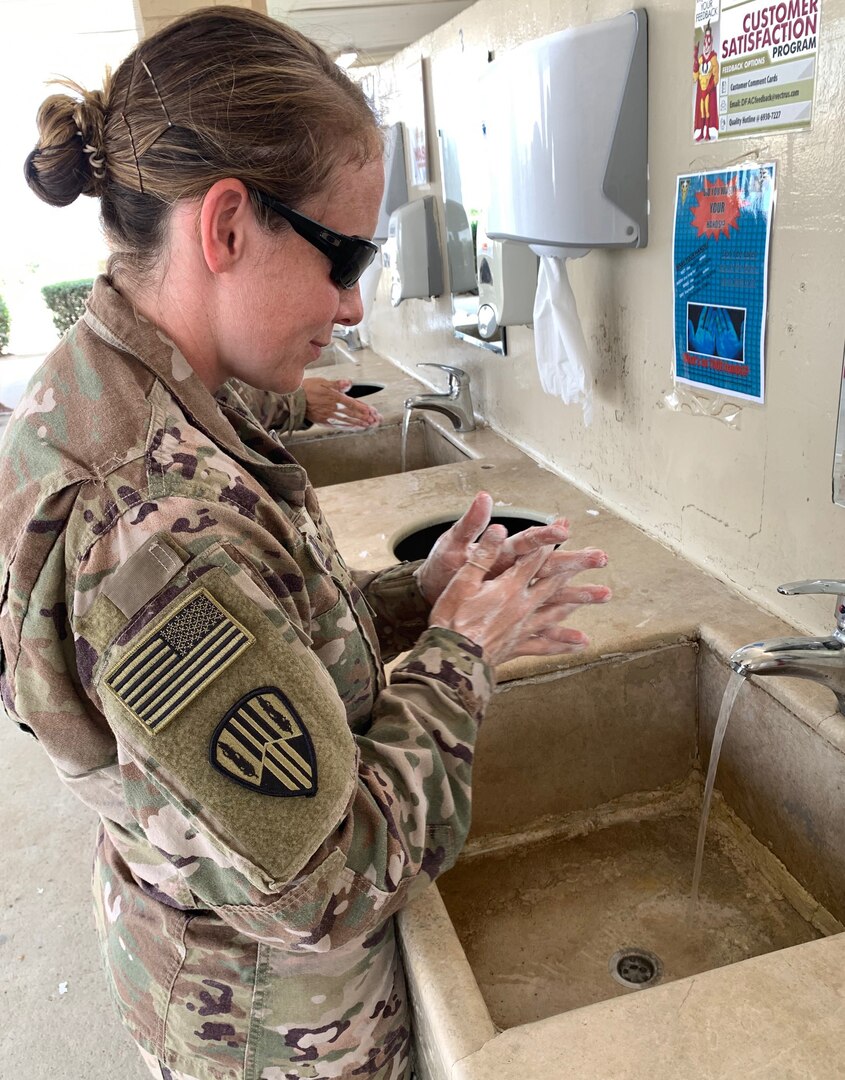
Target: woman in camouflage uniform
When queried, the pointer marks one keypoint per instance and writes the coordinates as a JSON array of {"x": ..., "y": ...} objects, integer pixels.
[{"x": 178, "y": 629}]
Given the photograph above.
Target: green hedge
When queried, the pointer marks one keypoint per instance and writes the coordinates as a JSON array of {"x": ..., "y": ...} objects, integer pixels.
[
  {"x": 4, "y": 326},
  {"x": 66, "y": 300}
]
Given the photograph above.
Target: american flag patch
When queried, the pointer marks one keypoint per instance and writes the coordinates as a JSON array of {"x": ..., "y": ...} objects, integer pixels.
[{"x": 177, "y": 660}]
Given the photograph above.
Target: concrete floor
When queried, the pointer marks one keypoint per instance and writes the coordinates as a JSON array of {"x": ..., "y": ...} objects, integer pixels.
[{"x": 58, "y": 1020}]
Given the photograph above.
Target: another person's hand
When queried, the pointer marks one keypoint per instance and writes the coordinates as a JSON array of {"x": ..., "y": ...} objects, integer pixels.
[
  {"x": 520, "y": 611},
  {"x": 326, "y": 403},
  {"x": 455, "y": 546}
]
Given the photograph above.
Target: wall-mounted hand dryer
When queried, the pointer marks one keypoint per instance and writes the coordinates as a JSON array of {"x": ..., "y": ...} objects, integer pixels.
[
  {"x": 566, "y": 132},
  {"x": 412, "y": 252},
  {"x": 395, "y": 180}
]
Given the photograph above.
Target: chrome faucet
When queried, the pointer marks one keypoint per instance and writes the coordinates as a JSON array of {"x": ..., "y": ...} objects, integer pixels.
[
  {"x": 350, "y": 336},
  {"x": 821, "y": 659},
  {"x": 456, "y": 403}
]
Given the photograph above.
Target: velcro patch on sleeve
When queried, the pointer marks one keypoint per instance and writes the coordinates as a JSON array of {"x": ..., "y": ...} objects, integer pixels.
[
  {"x": 144, "y": 574},
  {"x": 183, "y": 653}
]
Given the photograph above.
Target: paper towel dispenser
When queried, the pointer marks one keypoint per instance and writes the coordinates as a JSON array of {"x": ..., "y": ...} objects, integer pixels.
[
  {"x": 565, "y": 120},
  {"x": 395, "y": 180},
  {"x": 412, "y": 252}
]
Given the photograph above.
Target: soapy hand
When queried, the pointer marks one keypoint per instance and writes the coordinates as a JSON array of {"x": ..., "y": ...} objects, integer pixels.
[
  {"x": 454, "y": 547},
  {"x": 326, "y": 403},
  {"x": 519, "y": 611}
]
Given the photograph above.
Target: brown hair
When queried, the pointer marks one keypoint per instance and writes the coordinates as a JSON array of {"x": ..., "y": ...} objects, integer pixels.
[{"x": 219, "y": 92}]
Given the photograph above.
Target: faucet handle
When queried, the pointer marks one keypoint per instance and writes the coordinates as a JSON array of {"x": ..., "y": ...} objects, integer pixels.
[
  {"x": 820, "y": 585},
  {"x": 456, "y": 374}
]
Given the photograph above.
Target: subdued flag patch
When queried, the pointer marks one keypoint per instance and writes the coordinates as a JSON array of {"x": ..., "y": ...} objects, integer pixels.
[
  {"x": 177, "y": 659},
  {"x": 263, "y": 744}
]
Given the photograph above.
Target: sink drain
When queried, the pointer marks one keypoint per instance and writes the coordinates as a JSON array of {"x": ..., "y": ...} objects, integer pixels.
[{"x": 635, "y": 968}]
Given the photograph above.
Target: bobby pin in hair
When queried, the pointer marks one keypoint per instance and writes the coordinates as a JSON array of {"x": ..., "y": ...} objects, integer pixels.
[
  {"x": 125, "y": 119},
  {"x": 158, "y": 95}
]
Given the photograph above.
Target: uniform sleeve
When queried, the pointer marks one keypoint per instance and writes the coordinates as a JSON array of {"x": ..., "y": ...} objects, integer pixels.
[
  {"x": 400, "y": 612},
  {"x": 237, "y": 763},
  {"x": 282, "y": 413}
]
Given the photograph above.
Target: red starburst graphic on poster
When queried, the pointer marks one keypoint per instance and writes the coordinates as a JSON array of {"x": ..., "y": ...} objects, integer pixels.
[{"x": 717, "y": 207}]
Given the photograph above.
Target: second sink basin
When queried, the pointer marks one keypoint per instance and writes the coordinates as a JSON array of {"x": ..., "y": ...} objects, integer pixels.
[
  {"x": 363, "y": 389},
  {"x": 342, "y": 458},
  {"x": 417, "y": 544}
]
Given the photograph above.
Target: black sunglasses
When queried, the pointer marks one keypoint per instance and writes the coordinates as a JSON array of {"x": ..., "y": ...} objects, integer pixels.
[{"x": 349, "y": 255}]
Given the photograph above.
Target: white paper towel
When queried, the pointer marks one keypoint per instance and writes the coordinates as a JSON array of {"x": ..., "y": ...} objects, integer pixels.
[{"x": 563, "y": 359}]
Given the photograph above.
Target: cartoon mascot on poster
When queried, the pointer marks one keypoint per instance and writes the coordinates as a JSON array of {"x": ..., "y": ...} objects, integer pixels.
[{"x": 705, "y": 73}]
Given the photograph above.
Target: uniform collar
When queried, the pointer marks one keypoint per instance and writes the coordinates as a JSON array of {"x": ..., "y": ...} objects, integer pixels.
[{"x": 113, "y": 319}]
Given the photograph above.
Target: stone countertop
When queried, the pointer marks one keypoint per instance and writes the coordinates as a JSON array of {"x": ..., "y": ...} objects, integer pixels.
[
  {"x": 659, "y": 597},
  {"x": 777, "y": 1016}
]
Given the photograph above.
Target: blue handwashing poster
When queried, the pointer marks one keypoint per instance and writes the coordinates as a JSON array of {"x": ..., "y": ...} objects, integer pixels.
[{"x": 721, "y": 255}]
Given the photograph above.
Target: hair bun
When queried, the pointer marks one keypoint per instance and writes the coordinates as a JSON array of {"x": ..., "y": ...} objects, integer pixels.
[{"x": 70, "y": 158}]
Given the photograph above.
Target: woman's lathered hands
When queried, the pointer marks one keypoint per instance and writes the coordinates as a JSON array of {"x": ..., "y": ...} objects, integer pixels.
[
  {"x": 326, "y": 403},
  {"x": 508, "y": 594}
]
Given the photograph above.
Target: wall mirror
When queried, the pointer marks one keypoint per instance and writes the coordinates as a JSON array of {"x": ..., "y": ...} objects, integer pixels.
[{"x": 455, "y": 74}]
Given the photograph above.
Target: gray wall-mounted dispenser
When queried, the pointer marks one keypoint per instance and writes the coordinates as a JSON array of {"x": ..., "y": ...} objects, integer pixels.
[
  {"x": 566, "y": 132},
  {"x": 395, "y": 195},
  {"x": 395, "y": 180},
  {"x": 412, "y": 252},
  {"x": 507, "y": 282},
  {"x": 460, "y": 252}
]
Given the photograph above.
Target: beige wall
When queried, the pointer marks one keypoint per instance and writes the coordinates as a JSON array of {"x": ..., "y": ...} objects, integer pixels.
[
  {"x": 752, "y": 503},
  {"x": 151, "y": 15}
]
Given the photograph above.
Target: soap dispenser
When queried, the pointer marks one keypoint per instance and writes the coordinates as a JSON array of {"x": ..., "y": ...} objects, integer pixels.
[{"x": 507, "y": 282}]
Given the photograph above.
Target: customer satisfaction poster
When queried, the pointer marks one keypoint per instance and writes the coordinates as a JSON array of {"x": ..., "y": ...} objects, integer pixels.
[
  {"x": 723, "y": 225},
  {"x": 753, "y": 66}
]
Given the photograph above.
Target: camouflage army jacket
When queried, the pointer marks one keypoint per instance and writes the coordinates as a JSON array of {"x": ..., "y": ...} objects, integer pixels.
[{"x": 183, "y": 638}]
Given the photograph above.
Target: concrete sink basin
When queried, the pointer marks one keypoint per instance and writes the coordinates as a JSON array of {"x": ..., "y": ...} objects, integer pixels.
[
  {"x": 340, "y": 458},
  {"x": 587, "y": 789}
]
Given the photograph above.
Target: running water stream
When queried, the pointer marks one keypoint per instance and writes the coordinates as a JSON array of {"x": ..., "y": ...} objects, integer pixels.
[
  {"x": 731, "y": 690},
  {"x": 406, "y": 421}
]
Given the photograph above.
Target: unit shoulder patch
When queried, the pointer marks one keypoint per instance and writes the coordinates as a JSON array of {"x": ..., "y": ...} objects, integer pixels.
[
  {"x": 177, "y": 659},
  {"x": 263, "y": 744}
]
